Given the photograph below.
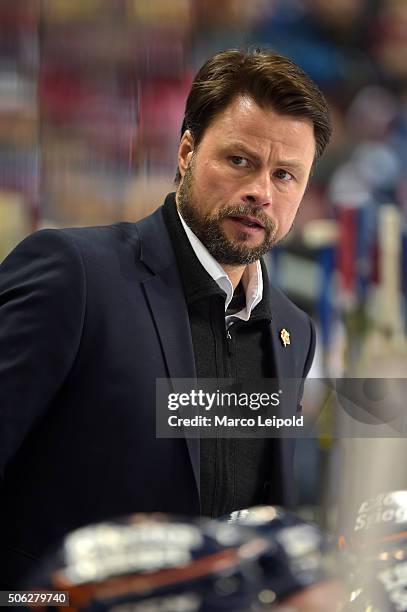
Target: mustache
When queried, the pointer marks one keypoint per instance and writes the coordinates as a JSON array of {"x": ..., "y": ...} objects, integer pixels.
[{"x": 244, "y": 210}]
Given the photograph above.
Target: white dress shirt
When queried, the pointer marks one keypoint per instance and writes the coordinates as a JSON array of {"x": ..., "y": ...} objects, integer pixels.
[{"x": 252, "y": 279}]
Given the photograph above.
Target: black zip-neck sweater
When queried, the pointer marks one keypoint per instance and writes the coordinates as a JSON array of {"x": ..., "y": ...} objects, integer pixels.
[{"x": 234, "y": 472}]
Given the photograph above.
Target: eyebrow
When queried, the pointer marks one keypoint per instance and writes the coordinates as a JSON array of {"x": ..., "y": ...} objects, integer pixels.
[
  {"x": 289, "y": 163},
  {"x": 244, "y": 149}
]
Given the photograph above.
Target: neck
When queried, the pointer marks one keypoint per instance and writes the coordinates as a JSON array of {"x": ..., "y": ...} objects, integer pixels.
[{"x": 234, "y": 273}]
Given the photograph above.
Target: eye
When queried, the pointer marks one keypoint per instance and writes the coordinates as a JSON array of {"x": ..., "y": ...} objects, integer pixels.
[
  {"x": 284, "y": 175},
  {"x": 239, "y": 161}
]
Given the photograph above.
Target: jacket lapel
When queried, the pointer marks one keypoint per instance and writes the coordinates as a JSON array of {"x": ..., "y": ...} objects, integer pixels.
[
  {"x": 165, "y": 298},
  {"x": 170, "y": 314},
  {"x": 285, "y": 446}
]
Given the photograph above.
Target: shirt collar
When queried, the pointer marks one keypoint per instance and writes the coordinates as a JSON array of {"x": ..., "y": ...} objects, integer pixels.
[{"x": 252, "y": 278}]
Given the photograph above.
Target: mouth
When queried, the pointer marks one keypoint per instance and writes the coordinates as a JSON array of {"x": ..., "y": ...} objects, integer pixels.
[{"x": 248, "y": 223}]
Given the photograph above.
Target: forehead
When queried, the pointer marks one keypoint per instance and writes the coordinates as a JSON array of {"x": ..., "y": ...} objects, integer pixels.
[{"x": 246, "y": 121}]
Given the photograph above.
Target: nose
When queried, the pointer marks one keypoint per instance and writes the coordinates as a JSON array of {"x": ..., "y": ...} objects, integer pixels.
[{"x": 258, "y": 191}]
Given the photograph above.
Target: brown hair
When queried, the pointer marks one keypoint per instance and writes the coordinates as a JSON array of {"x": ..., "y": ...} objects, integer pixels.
[{"x": 271, "y": 80}]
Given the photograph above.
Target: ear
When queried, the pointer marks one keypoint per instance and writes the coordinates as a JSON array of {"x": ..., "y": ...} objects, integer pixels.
[{"x": 185, "y": 151}]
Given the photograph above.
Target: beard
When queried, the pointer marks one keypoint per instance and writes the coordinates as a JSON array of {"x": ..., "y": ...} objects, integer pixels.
[{"x": 209, "y": 230}]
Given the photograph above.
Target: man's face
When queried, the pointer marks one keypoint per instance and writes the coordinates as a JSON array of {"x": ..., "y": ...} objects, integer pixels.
[{"x": 242, "y": 186}]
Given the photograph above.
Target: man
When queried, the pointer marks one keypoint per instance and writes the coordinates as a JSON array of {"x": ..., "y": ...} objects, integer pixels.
[{"x": 91, "y": 317}]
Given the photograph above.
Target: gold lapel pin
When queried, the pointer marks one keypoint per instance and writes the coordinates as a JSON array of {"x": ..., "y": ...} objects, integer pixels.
[{"x": 285, "y": 337}]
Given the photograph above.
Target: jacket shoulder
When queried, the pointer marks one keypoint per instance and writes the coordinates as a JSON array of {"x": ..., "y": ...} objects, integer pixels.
[
  {"x": 80, "y": 238},
  {"x": 103, "y": 237},
  {"x": 124, "y": 237}
]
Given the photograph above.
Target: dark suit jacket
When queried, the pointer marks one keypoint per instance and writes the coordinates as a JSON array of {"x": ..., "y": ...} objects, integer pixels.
[{"x": 89, "y": 318}]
